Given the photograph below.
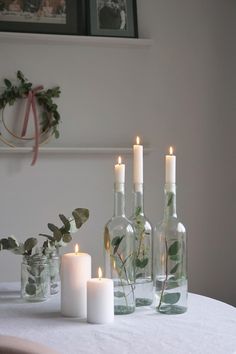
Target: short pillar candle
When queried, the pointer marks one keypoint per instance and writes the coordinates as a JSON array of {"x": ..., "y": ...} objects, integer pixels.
[
  {"x": 100, "y": 300},
  {"x": 75, "y": 272}
]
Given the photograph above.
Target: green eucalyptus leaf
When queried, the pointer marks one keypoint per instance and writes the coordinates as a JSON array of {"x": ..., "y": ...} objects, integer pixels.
[
  {"x": 30, "y": 243},
  {"x": 171, "y": 298},
  {"x": 8, "y": 83},
  {"x": 66, "y": 222},
  {"x": 141, "y": 263},
  {"x": 30, "y": 289},
  {"x": 80, "y": 215},
  {"x": 20, "y": 76},
  {"x": 116, "y": 243},
  {"x": 174, "y": 248},
  {"x": 57, "y": 235},
  {"x": 170, "y": 198},
  {"x": 138, "y": 211},
  {"x": 5, "y": 244},
  {"x": 116, "y": 240},
  {"x": 52, "y": 227},
  {"x": 174, "y": 269},
  {"x": 78, "y": 220},
  {"x": 119, "y": 294},
  {"x": 66, "y": 238},
  {"x": 12, "y": 242},
  {"x": 56, "y": 134},
  {"x": 175, "y": 258}
]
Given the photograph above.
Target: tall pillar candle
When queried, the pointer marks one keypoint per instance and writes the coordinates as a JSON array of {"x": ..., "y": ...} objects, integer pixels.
[
  {"x": 75, "y": 272},
  {"x": 137, "y": 164},
  {"x": 100, "y": 303},
  {"x": 119, "y": 175}
]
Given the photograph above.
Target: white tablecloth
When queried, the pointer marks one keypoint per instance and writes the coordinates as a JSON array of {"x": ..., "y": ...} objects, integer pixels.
[{"x": 209, "y": 326}]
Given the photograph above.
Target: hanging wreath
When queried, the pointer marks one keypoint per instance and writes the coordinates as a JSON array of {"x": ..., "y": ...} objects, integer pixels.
[{"x": 45, "y": 124}]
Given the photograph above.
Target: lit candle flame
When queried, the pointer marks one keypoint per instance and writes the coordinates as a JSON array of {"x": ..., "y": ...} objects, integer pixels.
[
  {"x": 171, "y": 150},
  {"x": 138, "y": 140},
  {"x": 76, "y": 249},
  {"x": 99, "y": 273},
  {"x": 119, "y": 160}
]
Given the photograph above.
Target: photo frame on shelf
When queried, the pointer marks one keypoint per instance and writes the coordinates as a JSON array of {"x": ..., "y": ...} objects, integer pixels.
[
  {"x": 112, "y": 18},
  {"x": 43, "y": 16}
]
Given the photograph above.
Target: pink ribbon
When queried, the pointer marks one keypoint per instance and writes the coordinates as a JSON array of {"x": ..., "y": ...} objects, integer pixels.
[{"x": 32, "y": 103}]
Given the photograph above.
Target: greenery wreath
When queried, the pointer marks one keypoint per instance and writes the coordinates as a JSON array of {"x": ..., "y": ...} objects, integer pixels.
[{"x": 49, "y": 118}]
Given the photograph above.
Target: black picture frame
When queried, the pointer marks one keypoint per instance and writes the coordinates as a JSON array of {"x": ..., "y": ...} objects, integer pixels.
[
  {"x": 101, "y": 21},
  {"x": 72, "y": 21}
]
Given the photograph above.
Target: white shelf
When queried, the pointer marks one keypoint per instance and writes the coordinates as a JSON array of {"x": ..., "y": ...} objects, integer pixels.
[
  {"x": 81, "y": 40},
  {"x": 71, "y": 150}
]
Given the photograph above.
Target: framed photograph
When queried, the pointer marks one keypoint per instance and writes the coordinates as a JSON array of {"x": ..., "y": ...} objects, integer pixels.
[
  {"x": 43, "y": 16},
  {"x": 115, "y": 18}
]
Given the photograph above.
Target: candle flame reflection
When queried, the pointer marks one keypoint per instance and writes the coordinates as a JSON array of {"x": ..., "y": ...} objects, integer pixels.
[
  {"x": 171, "y": 150},
  {"x": 114, "y": 264},
  {"x": 76, "y": 249},
  {"x": 119, "y": 160},
  {"x": 99, "y": 273},
  {"x": 138, "y": 140}
]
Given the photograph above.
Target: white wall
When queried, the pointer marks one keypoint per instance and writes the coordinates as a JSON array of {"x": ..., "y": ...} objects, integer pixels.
[{"x": 180, "y": 91}]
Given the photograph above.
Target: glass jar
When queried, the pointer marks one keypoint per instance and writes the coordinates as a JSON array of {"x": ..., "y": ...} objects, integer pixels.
[
  {"x": 54, "y": 267},
  {"x": 35, "y": 278}
]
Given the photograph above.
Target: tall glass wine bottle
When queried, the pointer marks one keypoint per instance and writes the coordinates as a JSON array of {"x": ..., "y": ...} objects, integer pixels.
[
  {"x": 119, "y": 245},
  {"x": 170, "y": 252},
  {"x": 143, "y": 234}
]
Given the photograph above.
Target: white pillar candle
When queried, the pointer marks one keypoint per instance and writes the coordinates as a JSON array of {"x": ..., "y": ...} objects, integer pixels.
[
  {"x": 75, "y": 272},
  {"x": 170, "y": 167},
  {"x": 137, "y": 163},
  {"x": 100, "y": 300},
  {"x": 119, "y": 175}
]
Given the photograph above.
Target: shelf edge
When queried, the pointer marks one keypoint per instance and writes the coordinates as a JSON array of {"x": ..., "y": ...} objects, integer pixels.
[
  {"x": 84, "y": 40},
  {"x": 71, "y": 150}
]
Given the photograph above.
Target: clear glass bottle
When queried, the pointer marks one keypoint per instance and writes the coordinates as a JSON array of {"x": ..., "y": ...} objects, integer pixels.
[
  {"x": 35, "y": 278},
  {"x": 54, "y": 267},
  {"x": 143, "y": 250},
  {"x": 170, "y": 259},
  {"x": 119, "y": 244}
]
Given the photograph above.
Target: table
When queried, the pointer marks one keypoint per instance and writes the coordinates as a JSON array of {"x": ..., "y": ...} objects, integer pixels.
[{"x": 209, "y": 326}]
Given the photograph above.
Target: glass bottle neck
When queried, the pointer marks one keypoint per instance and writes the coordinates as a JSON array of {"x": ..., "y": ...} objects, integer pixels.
[
  {"x": 170, "y": 201},
  {"x": 119, "y": 199},
  {"x": 138, "y": 202}
]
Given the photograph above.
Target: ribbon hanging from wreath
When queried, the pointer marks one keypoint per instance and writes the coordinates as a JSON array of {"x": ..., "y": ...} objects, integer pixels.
[{"x": 45, "y": 124}]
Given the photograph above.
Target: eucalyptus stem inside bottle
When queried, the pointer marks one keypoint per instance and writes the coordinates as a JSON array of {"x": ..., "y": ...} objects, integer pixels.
[
  {"x": 119, "y": 241},
  {"x": 143, "y": 249},
  {"x": 170, "y": 268}
]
